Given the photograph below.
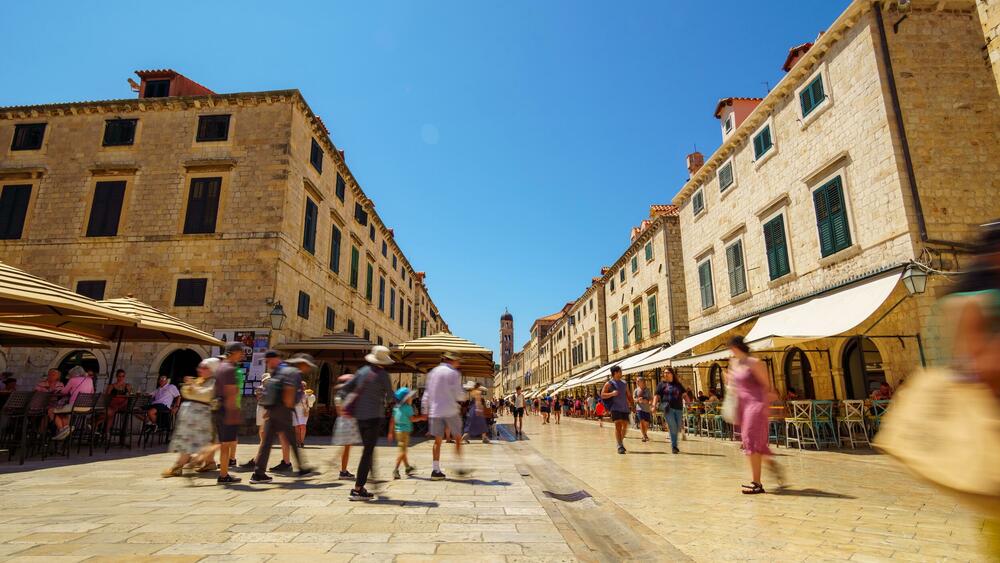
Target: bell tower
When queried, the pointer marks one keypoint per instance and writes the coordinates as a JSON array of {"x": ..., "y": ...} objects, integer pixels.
[{"x": 506, "y": 338}]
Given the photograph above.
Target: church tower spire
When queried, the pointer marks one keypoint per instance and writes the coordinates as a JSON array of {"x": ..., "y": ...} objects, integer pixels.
[{"x": 506, "y": 338}]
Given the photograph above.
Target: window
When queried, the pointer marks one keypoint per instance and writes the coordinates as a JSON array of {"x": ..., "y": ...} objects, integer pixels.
[
  {"x": 309, "y": 227},
  {"x": 625, "y": 328},
  {"x": 621, "y": 275},
  {"x": 385, "y": 249},
  {"x": 637, "y": 318},
  {"x": 593, "y": 348},
  {"x": 93, "y": 289},
  {"x": 354, "y": 267},
  {"x": 423, "y": 329},
  {"x": 725, "y": 176},
  {"x": 649, "y": 251},
  {"x": 190, "y": 292},
  {"x": 303, "y": 308},
  {"x": 777, "y": 248},
  {"x": 409, "y": 318},
  {"x": 119, "y": 132},
  {"x": 331, "y": 318},
  {"x": 698, "y": 202},
  {"x": 400, "y": 310},
  {"x": 350, "y": 326},
  {"x": 369, "y": 283},
  {"x": 654, "y": 326},
  {"x": 392, "y": 303},
  {"x": 13, "y": 210},
  {"x": 368, "y": 335},
  {"x": 728, "y": 125},
  {"x": 28, "y": 137},
  {"x": 341, "y": 188},
  {"x": 612, "y": 285},
  {"x": 762, "y": 142},
  {"x": 379, "y": 340},
  {"x": 635, "y": 263},
  {"x": 360, "y": 215},
  {"x": 394, "y": 262},
  {"x": 831, "y": 217},
  {"x": 381, "y": 293},
  {"x": 157, "y": 89},
  {"x": 737, "y": 271},
  {"x": 316, "y": 156},
  {"x": 371, "y": 232},
  {"x": 705, "y": 283},
  {"x": 203, "y": 205},
  {"x": 213, "y": 128},
  {"x": 335, "y": 250},
  {"x": 812, "y": 95},
  {"x": 106, "y": 209}
]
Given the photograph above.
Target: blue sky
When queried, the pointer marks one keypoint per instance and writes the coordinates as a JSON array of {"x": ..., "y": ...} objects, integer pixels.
[{"x": 511, "y": 145}]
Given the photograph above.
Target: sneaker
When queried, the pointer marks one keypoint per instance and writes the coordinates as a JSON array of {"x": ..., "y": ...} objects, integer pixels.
[
  {"x": 260, "y": 478},
  {"x": 676, "y": 450},
  {"x": 395, "y": 474},
  {"x": 233, "y": 463},
  {"x": 252, "y": 464},
  {"x": 64, "y": 433},
  {"x": 486, "y": 440},
  {"x": 360, "y": 495},
  {"x": 621, "y": 449},
  {"x": 411, "y": 469},
  {"x": 437, "y": 476},
  {"x": 347, "y": 475},
  {"x": 306, "y": 472},
  {"x": 283, "y": 466},
  {"x": 228, "y": 480}
]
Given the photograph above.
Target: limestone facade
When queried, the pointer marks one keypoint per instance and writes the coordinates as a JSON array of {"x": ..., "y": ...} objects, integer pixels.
[{"x": 271, "y": 201}]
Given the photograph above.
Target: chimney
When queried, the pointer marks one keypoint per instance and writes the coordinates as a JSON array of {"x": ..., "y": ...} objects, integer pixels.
[
  {"x": 794, "y": 54},
  {"x": 695, "y": 161}
]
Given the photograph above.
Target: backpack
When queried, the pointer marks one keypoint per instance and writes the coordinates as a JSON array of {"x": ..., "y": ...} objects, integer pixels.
[
  {"x": 608, "y": 402},
  {"x": 272, "y": 388}
]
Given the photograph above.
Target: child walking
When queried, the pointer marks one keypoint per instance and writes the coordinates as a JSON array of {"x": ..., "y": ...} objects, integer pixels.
[{"x": 403, "y": 419}]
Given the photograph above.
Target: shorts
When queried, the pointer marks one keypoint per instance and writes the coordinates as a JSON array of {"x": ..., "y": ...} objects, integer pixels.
[
  {"x": 644, "y": 416},
  {"x": 261, "y": 415},
  {"x": 545, "y": 409},
  {"x": 619, "y": 415},
  {"x": 518, "y": 412},
  {"x": 225, "y": 432},
  {"x": 437, "y": 425},
  {"x": 299, "y": 416},
  {"x": 403, "y": 441}
]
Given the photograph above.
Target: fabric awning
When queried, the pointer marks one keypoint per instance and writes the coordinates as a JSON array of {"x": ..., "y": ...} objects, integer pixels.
[
  {"x": 824, "y": 315},
  {"x": 702, "y": 358},
  {"x": 156, "y": 326},
  {"x": 340, "y": 342},
  {"x": 633, "y": 363},
  {"x": 29, "y": 336},
  {"x": 425, "y": 353},
  {"x": 663, "y": 357}
]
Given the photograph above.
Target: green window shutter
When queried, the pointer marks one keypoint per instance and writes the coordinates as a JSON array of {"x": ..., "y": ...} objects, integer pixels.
[
  {"x": 637, "y": 318},
  {"x": 649, "y": 251},
  {"x": 614, "y": 334},
  {"x": 635, "y": 263},
  {"x": 369, "y": 283},
  {"x": 812, "y": 95},
  {"x": 762, "y": 142},
  {"x": 831, "y": 217},
  {"x": 725, "y": 176},
  {"x": 651, "y": 306},
  {"x": 823, "y": 222},
  {"x": 737, "y": 274},
  {"x": 777, "y": 248},
  {"x": 705, "y": 282},
  {"x": 354, "y": 267},
  {"x": 625, "y": 330},
  {"x": 698, "y": 202}
]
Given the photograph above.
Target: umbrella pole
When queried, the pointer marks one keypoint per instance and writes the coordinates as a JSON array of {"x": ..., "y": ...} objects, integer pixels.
[{"x": 114, "y": 363}]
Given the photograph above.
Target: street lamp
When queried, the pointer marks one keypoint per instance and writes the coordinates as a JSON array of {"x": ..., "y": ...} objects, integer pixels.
[
  {"x": 277, "y": 316},
  {"x": 915, "y": 279}
]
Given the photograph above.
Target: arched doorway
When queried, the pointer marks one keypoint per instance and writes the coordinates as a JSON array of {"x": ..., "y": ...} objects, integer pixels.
[
  {"x": 83, "y": 358},
  {"x": 863, "y": 371},
  {"x": 180, "y": 364},
  {"x": 323, "y": 393},
  {"x": 716, "y": 383},
  {"x": 798, "y": 374}
]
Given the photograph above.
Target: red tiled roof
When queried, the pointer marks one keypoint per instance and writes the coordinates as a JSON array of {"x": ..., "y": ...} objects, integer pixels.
[
  {"x": 729, "y": 101},
  {"x": 657, "y": 210},
  {"x": 793, "y": 55}
]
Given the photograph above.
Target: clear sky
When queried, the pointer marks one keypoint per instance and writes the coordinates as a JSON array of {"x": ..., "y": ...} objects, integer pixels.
[{"x": 511, "y": 145}]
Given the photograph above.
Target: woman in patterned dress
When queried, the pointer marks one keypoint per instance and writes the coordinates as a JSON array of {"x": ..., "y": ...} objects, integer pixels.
[
  {"x": 753, "y": 387},
  {"x": 194, "y": 418}
]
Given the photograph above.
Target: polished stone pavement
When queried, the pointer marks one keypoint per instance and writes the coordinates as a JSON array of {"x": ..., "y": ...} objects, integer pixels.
[{"x": 562, "y": 494}]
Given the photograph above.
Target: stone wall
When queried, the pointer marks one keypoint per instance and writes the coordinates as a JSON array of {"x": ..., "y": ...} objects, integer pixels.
[{"x": 989, "y": 19}]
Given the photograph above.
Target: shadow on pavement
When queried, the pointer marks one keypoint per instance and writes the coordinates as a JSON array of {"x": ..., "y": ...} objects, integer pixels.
[
  {"x": 302, "y": 485},
  {"x": 810, "y": 493},
  {"x": 701, "y": 454},
  {"x": 631, "y": 452},
  {"x": 408, "y": 503}
]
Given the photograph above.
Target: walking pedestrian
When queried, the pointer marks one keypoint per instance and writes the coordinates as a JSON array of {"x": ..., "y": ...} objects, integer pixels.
[
  {"x": 546, "y": 408},
  {"x": 557, "y": 405},
  {"x": 643, "y": 410},
  {"x": 272, "y": 362},
  {"x": 365, "y": 399},
  {"x": 441, "y": 398},
  {"x": 193, "y": 427},
  {"x": 475, "y": 421},
  {"x": 517, "y": 409},
  {"x": 617, "y": 399},
  {"x": 753, "y": 387},
  {"x": 401, "y": 427},
  {"x": 669, "y": 398},
  {"x": 279, "y": 398},
  {"x": 301, "y": 414},
  {"x": 227, "y": 418},
  {"x": 591, "y": 405}
]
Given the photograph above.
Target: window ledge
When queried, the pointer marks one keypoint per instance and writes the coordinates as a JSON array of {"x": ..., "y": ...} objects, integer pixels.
[
  {"x": 790, "y": 276},
  {"x": 739, "y": 298},
  {"x": 701, "y": 214},
  {"x": 767, "y": 156},
  {"x": 816, "y": 112},
  {"x": 839, "y": 256},
  {"x": 732, "y": 188},
  {"x": 710, "y": 310}
]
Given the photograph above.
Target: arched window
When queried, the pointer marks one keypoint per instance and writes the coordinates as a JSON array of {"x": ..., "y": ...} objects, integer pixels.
[
  {"x": 82, "y": 358},
  {"x": 863, "y": 371},
  {"x": 798, "y": 374}
]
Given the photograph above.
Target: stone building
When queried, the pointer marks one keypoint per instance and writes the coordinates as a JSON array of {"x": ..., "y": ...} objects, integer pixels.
[
  {"x": 216, "y": 208},
  {"x": 878, "y": 150}
]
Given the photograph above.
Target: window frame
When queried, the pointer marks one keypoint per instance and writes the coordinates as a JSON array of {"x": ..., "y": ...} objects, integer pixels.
[
  {"x": 635, "y": 264},
  {"x": 194, "y": 283},
  {"x": 302, "y": 305},
  {"x": 131, "y": 137},
  {"x": 625, "y": 326},
  {"x": 353, "y": 280},
  {"x": 153, "y": 84},
  {"x": 818, "y": 109},
  {"x": 201, "y": 133},
  {"x": 310, "y": 224},
  {"x": 369, "y": 282},
  {"x": 781, "y": 215},
  {"x": 652, "y": 314},
  {"x": 95, "y": 224},
  {"x": 718, "y": 175},
  {"x": 707, "y": 260},
  {"x": 614, "y": 333},
  {"x": 771, "y": 150},
  {"x": 316, "y": 161},
  {"x": 7, "y": 233},
  {"x": 331, "y": 319},
  {"x": 19, "y": 127},
  {"x": 838, "y": 176},
  {"x": 648, "y": 249},
  {"x": 730, "y": 269},
  {"x": 695, "y": 210},
  {"x": 187, "y": 226},
  {"x": 336, "y": 239},
  {"x": 340, "y": 189},
  {"x": 381, "y": 292},
  {"x": 637, "y": 321}
]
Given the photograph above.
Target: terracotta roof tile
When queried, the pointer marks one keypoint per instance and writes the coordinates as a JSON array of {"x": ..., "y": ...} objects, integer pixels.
[
  {"x": 729, "y": 101},
  {"x": 793, "y": 55}
]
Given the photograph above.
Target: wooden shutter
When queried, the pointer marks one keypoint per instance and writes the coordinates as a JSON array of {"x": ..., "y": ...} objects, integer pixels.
[
  {"x": 203, "y": 205},
  {"x": 106, "y": 210},
  {"x": 354, "y": 267},
  {"x": 637, "y": 321},
  {"x": 705, "y": 282},
  {"x": 698, "y": 202},
  {"x": 309, "y": 227},
  {"x": 737, "y": 277},
  {"x": 831, "y": 217},
  {"x": 13, "y": 209},
  {"x": 654, "y": 326},
  {"x": 777, "y": 249},
  {"x": 335, "y": 250}
]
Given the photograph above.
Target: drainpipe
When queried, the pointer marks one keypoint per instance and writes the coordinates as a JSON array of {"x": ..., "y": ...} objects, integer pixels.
[{"x": 903, "y": 141}]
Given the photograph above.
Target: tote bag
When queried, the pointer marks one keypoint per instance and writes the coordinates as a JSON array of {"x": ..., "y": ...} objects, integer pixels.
[
  {"x": 345, "y": 431},
  {"x": 730, "y": 405}
]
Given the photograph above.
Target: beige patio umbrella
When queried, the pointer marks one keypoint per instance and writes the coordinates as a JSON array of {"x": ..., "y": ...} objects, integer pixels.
[
  {"x": 425, "y": 353},
  {"x": 23, "y": 294},
  {"x": 30, "y": 336}
]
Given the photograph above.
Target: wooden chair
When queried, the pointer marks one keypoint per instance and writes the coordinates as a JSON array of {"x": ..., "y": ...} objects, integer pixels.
[
  {"x": 851, "y": 423},
  {"x": 801, "y": 421},
  {"x": 824, "y": 424}
]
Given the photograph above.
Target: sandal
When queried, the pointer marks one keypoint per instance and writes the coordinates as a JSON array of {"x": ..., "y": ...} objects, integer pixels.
[
  {"x": 206, "y": 467},
  {"x": 755, "y": 489},
  {"x": 172, "y": 472}
]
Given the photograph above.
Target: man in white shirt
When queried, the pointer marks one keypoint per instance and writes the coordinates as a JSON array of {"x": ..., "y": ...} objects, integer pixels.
[
  {"x": 440, "y": 403},
  {"x": 518, "y": 411},
  {"x": 165, "y": 399}
]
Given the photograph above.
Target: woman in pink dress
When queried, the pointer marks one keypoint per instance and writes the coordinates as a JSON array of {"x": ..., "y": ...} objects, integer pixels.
[{"x": 748, "y": 376}]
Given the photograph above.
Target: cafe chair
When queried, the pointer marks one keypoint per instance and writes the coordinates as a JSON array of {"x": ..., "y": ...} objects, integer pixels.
[
  {"x": 801, "y": 422},
  {"x": 851, "y": 424}
]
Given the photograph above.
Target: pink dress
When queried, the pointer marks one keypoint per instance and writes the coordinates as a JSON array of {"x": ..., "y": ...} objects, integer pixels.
[{"x": 753, "y": 410}]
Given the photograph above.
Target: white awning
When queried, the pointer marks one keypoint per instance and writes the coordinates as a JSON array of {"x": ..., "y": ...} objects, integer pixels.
[
  {"x": 662, "y": 358},
  {"x": 824, "y": 315},
  {"x": 631, "y": 363},
  {"x": 702, "y": 359}
]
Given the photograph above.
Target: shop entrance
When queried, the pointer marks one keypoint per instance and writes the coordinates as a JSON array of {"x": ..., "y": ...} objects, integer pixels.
[
  {"x": 863, "y": 371},
  {"x": 798, "y": 374}
]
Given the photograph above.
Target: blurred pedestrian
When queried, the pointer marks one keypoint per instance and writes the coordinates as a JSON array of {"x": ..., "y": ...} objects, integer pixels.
[
  {"x": 475, "y": 420},
  {"x": 643, "y": 409},
  {"x": 368, "y": 394},
  {"x": 441, "y": 398},
  {"x": 517, "y": 409},
  {"x": 272, "y": 363},
  {"x": 228, "y": 414},
  {"x": 401, "y": 427},
  {"x": 279, "y": 398},
  {"x": 669, "y": 398},
  {"x": 753, "y": 387},
  {"x": 193, "y": 427},
  {"x": 616, "y": 398}
]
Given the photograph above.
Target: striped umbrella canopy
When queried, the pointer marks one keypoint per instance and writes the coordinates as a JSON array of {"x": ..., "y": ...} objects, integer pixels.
[
  {"x": 425, "y": 353},
  {"x": 30, "y": 299},
  {"x": 30, "y": 336},
  {"x": 156, "y": 326}
]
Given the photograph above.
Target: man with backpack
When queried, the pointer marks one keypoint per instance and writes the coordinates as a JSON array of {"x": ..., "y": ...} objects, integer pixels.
[
  {"x": 279, "y": 397},
  {"x": 272, "y": 362},
  {"x": 365, "y": 399},
  {"x": 616, "y": 399}
]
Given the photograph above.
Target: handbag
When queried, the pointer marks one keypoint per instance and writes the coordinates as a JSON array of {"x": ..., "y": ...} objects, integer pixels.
[
  {"x": 203, "y": 393},
  {"x": 730, "y": 405},
  {"x": 345, "y": 431}
]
